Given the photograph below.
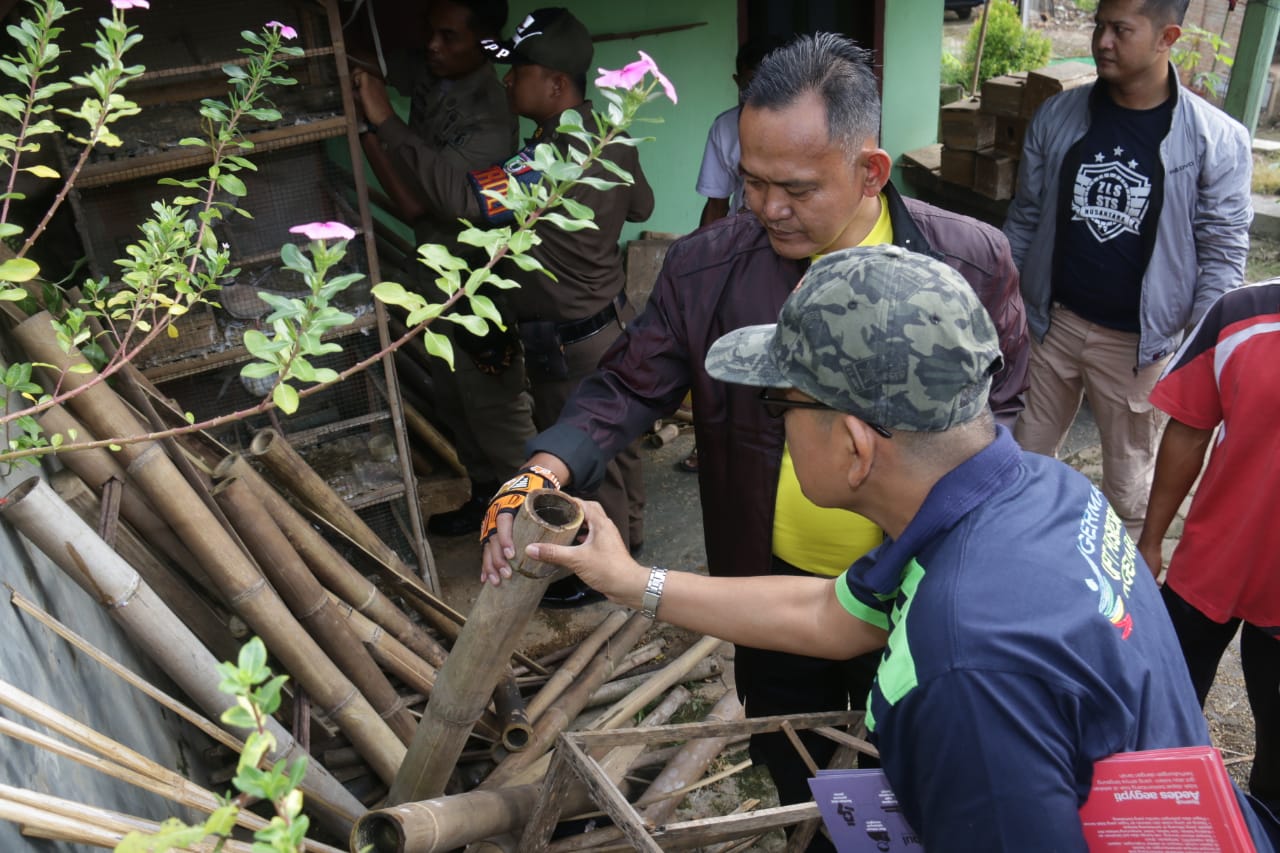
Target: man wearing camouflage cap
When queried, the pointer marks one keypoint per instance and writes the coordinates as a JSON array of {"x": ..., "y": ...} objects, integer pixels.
[{"x": 1023, "y": 641}]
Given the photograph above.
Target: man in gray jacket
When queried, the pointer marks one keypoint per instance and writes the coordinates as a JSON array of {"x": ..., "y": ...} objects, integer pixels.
[{"x": 1132, "y": 216}]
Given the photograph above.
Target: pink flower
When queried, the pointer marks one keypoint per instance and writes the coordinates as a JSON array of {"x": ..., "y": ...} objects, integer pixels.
[
  {"x": 629, "y": 76},
  {"x": 324, "y": 231},
  {"x": 285, "y": 30},
  {"x": 131, "y": 4}
]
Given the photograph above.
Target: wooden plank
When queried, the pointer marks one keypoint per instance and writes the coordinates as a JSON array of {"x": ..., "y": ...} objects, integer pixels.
[
  {"x": 696, "y": 833},
  {"x": 605, "y": 794},
  {"x": 546, "y": 812},
  {"x": 928, "y": 157},
  {"x": 684, "y": 731},
  {"x": 994, "y": 175}
]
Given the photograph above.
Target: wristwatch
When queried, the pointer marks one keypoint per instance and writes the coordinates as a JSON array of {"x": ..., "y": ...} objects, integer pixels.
[{"x": 653, "y": 593}]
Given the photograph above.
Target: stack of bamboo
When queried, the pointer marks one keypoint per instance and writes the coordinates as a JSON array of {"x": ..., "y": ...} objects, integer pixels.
[{"x": 190, "y": 547}]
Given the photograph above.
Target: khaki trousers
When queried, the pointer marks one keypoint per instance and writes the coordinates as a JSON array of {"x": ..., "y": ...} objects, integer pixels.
[{"x": 1078, "y": 358}]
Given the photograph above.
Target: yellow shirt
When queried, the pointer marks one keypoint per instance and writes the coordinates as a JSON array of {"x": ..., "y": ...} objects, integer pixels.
[{"x": 818, "y": 539}]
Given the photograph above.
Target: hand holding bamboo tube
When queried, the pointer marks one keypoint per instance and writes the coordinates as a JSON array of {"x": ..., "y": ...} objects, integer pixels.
[{"x": 480, "y": 657}]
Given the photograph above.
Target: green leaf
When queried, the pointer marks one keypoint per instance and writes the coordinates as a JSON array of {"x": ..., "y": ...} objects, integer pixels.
[
  {"x": 567, "y": 224},
  {"x": 286, "y": 397},
  {"x": 8, "y": 229},
  {"x": 439, "y": 346},
  {"x": 19, "y": 269},
  {"x": 81, "y": 368},
  {"x": 41, "y": 171},
  {"x": 577, "y": 209},
  {"x": 475, "y": 325},
  {"x": 258, "y": 370},
  {"x": 484, "y": 307},
  {"x": 232, "y": 185},
  {"x": 439, "y": 258}
]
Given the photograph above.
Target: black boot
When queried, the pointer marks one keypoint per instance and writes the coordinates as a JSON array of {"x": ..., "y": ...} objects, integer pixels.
[
  {"x": 466, "y": 518},
  {"x": 568, "y": 593}
]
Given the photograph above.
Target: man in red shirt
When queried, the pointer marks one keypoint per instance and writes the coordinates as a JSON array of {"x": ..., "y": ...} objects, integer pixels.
[{"x": 1226, "y": 377}]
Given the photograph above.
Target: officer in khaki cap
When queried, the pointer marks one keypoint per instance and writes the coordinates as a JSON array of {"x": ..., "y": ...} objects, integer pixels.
[{"x": 1022, "y": 638}]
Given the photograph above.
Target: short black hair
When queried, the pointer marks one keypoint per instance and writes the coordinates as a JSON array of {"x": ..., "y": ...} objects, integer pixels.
[
  {"x": 837, "y": 70},
  {"x": 1165, "y": 12},
  {"x": 487, "y": 17}
]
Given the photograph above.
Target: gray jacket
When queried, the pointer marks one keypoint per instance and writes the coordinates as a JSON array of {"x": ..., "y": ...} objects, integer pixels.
[{"x": 1202, "y": 236}]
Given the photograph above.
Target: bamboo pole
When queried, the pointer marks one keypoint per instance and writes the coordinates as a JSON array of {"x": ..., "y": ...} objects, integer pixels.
[
  {"x": 239, "y": 580},
  {"x": 309, "y": 601},
  {"x": 173, "y": 590},
  {"x": 575, "y": 663},
  {"x": 481, "y": 655},
  {"x": 96, "y": 467},
  {"x": 434, "y": 439},
  {"x": 55, "y": 529},
  {"x": 329, "y": 566},
  {"x": 445, "y": 823},
  {"x": 519, "y": 767}
]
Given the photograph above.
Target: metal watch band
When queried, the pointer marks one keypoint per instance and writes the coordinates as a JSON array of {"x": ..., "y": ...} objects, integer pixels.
[{"x": 653, "y": 592}]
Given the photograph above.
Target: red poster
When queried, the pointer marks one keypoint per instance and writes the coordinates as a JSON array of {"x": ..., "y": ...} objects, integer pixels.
[{"x": 1164, "y": 801}]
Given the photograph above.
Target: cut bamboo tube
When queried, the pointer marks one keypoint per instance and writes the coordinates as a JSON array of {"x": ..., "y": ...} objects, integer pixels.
[
  {"x": 480, "y": 656},
  {"x": 309, "y": 601},
  {"x": 445, "y": 823},
  {"x": 329, "y": 566},
  {"x": 575, "y": 663},
  {"x": 56, "y": 530},
  {"x": 239, "y": 580},
  {"x": 519, "y": 767},
  {"x": 516, "y": 731},
  {"x": 173, "y": 590},
  {"x": 96, "y": 467}
]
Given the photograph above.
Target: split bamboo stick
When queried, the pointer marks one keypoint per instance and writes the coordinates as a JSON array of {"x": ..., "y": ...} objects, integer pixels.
[
  {"x": 660, "y": 800},
  {"x": 481, "y": 655},
  {"x": 614, "y": 690},
  {"x": 59, "y": 819},
  {"x": 172, "y": 589},
  {"x": 55, "y": 529},
  {"x": 574, "y": 665},
  {"x": 329, "y": 566},
  {"x": 240, "y": 581},
  {"x": 127, "y": 675},
  {"x": 178, "y": 790},
  {"x": 657, "y": 684},
  {"x": 309, "y": 601},
  {"x": 517, "y": 767}
]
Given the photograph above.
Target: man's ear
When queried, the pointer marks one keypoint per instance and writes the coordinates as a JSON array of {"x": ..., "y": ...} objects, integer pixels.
[
  {"x": 860, "y": 440},
  {"x": 1170, "y": 34},
  {"x": 879, "y": 165}
]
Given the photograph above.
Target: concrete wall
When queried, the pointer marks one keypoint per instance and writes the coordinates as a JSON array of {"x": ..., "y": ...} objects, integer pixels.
[
  {"x": 37, "y": 661},
  {"x": 912, "y": 61}
]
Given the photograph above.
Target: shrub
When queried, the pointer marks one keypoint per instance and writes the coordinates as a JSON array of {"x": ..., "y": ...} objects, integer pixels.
[{"x": 1008, "y": 47}]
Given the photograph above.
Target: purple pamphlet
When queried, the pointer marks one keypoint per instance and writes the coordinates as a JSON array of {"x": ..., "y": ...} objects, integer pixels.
[{"x": 861, "y": 812}]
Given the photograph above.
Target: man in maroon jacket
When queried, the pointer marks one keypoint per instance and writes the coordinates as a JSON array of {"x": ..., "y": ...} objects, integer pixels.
[{"x": 815, "y": 181}]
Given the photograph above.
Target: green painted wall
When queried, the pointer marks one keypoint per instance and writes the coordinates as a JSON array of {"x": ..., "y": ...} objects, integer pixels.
[
  {"x": 912, "y": 66},
  {"x": 699, "y": 63}
]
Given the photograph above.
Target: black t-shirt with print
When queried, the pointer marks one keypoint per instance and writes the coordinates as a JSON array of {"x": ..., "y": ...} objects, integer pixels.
[{"x": 1110, "y": 191}]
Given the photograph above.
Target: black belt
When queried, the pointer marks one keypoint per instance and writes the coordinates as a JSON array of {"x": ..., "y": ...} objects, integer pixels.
[{"x": 579, "y": 330}]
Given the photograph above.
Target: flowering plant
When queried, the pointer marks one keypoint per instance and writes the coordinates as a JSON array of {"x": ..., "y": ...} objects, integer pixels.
[{"x": 178, "y": 263}]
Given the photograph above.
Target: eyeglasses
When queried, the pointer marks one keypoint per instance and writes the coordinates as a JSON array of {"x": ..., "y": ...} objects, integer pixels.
[{"x": 776, "y": 407}]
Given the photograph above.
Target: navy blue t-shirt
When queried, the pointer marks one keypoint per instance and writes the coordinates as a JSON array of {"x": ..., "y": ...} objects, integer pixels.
[
  {"x": 1027, "y": 640},
  {"x": 1110, "y": 191}
]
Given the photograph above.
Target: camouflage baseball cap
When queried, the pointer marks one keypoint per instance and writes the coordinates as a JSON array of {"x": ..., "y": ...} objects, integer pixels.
[{"x": 891, "y": 336}]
